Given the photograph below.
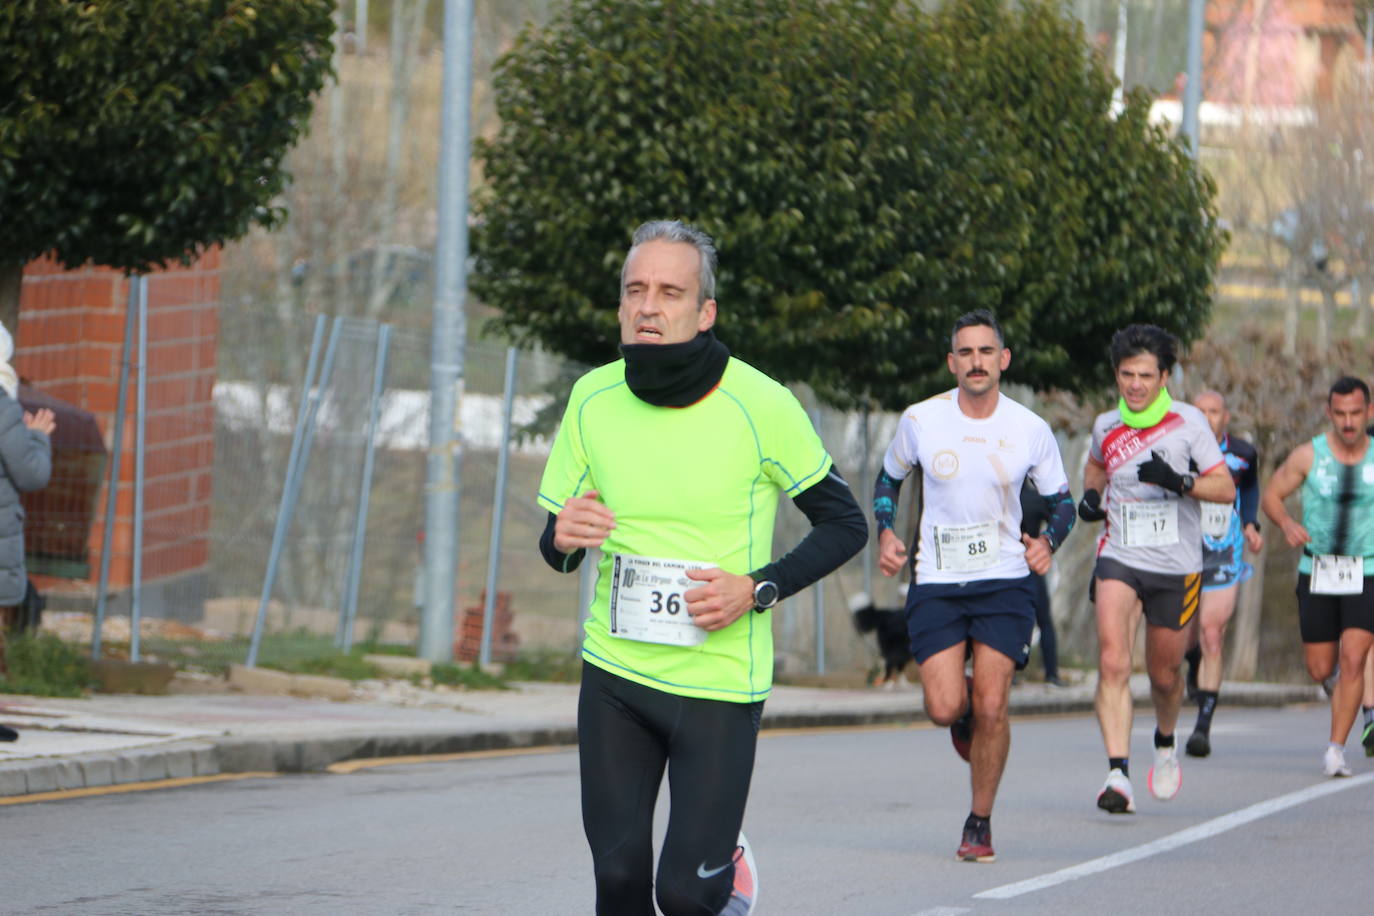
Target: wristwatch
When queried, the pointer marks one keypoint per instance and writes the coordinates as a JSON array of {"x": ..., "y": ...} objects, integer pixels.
[
  {"x": 765, "y": 595},
  {"x": 1188, "y": 483}
]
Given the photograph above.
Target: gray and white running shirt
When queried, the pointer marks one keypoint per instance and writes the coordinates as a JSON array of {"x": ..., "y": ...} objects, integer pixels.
[{"x": 1149, "y": 528}]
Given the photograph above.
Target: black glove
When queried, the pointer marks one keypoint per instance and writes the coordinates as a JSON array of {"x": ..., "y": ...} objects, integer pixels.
[
  {"x": 1090, "y": 507},
  {"x": 1158, "y": 472}
]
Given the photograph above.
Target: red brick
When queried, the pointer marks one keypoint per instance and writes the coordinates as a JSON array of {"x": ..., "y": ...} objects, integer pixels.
[
  {"x": 207, "y": 351},
  {"x": 170, "y": 358},
  {"x": 171, "y": 289},
  {"x": 165, "y": 393},
  {"x": 166, "y": 493},
  {"x": 104, "y": 327},
  {"x": 169, "y": 325}
]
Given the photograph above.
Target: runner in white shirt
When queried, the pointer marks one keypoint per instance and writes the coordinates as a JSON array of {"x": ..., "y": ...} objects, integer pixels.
[
  {"x": 1154, "y": 458},
  {"x": 973, "y": 588}
]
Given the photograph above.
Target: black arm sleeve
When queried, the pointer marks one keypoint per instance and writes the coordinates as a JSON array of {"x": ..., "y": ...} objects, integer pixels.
[
  {"x": 1249, "y": 485},
  {"x": 561, "y": 562},
  {"x": 838, "y": 531}
]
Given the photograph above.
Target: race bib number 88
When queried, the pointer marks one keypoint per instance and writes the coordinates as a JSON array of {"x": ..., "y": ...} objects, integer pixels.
[
  {"x": 647, "y": 603},
  {"x": 966, "y": 548}
]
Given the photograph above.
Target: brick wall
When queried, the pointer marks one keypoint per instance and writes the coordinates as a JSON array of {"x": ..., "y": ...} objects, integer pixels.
[{"x": 71, "y": 330}]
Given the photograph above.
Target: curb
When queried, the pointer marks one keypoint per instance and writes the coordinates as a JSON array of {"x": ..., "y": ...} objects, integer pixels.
[{"x": 186, "y": 758}]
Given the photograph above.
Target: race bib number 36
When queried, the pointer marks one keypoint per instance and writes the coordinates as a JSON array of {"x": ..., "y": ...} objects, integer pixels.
[
  {"x": 1335, "y": 575},
  {"x": 647, "y": 603},
  {"x": 966, "y": 548},
  {"x": 1149, "y": 524}
]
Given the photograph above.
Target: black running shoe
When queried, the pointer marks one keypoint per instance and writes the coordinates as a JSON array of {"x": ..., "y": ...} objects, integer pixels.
[
  {"x": 1199, "y": 745},
  {"x": 961, "y": 731},
  {"x": 8, "y": 734}
]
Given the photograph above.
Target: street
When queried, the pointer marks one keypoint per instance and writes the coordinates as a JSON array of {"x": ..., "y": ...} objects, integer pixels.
[{"x": 861, "y": 821}]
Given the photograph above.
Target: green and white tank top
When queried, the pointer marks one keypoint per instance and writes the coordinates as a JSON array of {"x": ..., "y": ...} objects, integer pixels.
[{"x": 1338, "y": 506}]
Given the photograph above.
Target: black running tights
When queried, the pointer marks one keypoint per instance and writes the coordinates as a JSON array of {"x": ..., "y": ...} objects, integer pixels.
[{"x": 627, "y": 733}]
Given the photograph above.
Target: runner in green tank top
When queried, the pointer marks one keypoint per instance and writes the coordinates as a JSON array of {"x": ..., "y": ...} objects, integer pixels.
[{"x": 1335, "y": 596}]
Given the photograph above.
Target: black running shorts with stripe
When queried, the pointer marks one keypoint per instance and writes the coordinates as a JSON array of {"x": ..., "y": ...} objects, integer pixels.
[{"x": 1169, "y": 600}]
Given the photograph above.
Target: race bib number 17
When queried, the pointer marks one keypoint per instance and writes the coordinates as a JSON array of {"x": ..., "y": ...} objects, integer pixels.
[
  {"x": 647, "y": 603},
  {"x": 1149, "y": 524}
]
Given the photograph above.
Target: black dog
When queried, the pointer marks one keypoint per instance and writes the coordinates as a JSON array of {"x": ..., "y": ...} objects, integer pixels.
[{"x": 889, "y": 627}]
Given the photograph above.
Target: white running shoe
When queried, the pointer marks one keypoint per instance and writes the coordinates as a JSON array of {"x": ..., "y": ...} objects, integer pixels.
[
  {"x": 1165, "y": 776},
  {"x": 1116, "y": 796},
  {"x": 744, "y": 897},
  {"x": 1334, "y": 761}
]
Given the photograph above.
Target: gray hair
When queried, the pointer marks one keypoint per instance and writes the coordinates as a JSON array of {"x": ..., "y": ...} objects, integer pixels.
[{"x": 671, "y": 230}]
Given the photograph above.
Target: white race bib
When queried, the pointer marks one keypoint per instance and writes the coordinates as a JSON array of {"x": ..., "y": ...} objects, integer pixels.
[
  {"x": 1216, "y": 519},
  {"x": 647, "y": 603},
  {"x": 966, "y": 548},
  {"x": 1153, "y": 523},
  {"x": 1337, "y": 575}
]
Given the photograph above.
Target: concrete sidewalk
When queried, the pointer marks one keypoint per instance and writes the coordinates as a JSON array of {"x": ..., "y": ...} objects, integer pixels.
[{"x": 106, "y": 740}]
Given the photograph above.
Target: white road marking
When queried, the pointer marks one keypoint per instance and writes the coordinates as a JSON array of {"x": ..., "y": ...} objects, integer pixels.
[{"x": 1174, "y": 841}]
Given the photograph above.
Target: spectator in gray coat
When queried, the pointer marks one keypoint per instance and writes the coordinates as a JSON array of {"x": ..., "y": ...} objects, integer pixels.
[{"x": 25, "y": 464}]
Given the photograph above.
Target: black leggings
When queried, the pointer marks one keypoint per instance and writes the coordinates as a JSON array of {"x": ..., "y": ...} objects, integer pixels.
[
  {"x": 626, "y": 734},
  {"x": 1048, "y": 644}
]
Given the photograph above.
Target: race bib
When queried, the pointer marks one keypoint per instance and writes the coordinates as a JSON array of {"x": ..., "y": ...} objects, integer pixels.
[
  {"x": 1337, "y": 575},
  {"x": 1216, "y": 519},
  {"x": 1149, "y": 524},
  {"x": 966, "y": 548},
  {"x": 647, "y": 603}
]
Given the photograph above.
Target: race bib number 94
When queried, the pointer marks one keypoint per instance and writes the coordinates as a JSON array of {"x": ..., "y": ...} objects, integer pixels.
[
  {"x": 647, "y": 603},
  {"x": 1336, "y": 575}
]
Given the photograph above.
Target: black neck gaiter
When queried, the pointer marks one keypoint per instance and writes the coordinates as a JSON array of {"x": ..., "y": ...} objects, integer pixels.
[{"x": 675, "y": 375}]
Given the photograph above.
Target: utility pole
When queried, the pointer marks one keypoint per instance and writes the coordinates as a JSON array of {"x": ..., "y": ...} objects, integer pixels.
[
  {"x": 1192, "y": 93},
  {"x": 449, "y": 339}
]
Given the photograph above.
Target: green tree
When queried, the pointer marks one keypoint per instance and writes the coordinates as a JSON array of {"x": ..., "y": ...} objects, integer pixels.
[
  {"x": 870, "y": 171},
  {"x": 137, "y": 132}
]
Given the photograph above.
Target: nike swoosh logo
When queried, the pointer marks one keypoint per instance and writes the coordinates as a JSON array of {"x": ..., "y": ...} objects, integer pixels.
[{"x": 704, "y": 872}]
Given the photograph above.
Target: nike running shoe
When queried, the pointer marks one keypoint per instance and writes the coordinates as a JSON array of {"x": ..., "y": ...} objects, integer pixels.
[
  {"x": 746, "y": 889},
  {"x": 977, "y": 845},
  {"x": 1116, "y": 796},
  {"x": 961, "y": 731},
  {"x": 1367, "y": 739},
  {"x": 1199, "y": 745},
  {"x": 1334, "y": 761},
  {"x": 1165, "y": 776}
]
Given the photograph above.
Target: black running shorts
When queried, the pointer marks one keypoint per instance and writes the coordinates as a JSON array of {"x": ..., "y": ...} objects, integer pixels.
[
  {"x": 1170, "y": 601},
  {"x": 1322, "y": 618}
]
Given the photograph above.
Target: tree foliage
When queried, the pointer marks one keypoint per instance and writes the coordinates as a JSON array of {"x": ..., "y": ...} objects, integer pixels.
[
  {"x": 870, "y": 171},
  {"x": 134, "y": 132}
]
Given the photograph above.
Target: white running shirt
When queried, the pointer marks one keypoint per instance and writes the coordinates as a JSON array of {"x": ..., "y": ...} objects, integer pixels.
[{"x": 971, "y": 484}]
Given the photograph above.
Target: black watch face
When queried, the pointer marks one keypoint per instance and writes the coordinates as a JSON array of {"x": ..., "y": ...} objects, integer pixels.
[{"x": 766, "y": 594}]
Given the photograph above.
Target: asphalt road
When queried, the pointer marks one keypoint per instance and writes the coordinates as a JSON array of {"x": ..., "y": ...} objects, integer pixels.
[{"x": 861, "y": 821}]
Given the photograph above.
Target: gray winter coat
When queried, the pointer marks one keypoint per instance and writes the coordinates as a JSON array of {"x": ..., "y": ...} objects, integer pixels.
[{"x": 25, "y": 464}]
